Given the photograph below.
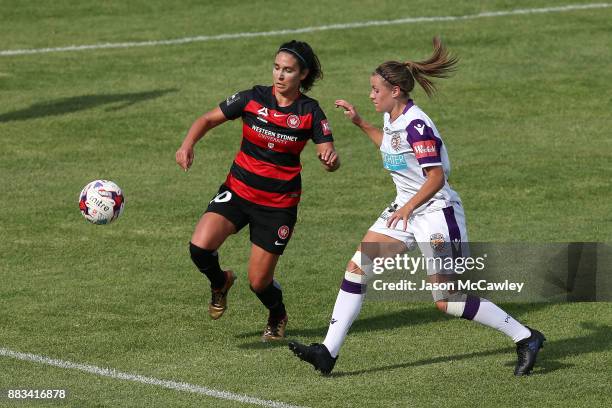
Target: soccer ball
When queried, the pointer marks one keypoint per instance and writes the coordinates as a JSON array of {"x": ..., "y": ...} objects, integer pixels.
[{"x": 101, "y": 202}]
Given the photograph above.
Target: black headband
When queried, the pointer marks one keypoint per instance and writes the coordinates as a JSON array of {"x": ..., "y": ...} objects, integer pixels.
[
  {"x": 296, "y": 54},
  {"x": 379, "y": 72}
]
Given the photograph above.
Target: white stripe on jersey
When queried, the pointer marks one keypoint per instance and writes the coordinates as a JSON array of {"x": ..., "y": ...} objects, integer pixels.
[{"x": 410, "y": 143}]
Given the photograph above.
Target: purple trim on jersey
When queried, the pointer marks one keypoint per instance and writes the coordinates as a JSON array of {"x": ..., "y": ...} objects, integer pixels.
[
  {"x": 472, "y": 304},
  {"x": 424, "y": 143},
  {"x": 454, "y": 233},
  {"x": 429, "y": 161},
  {"x": 415, "y": 135},
  {"x": 352, "y": 287},
  {"x": 409, "y": 105}
]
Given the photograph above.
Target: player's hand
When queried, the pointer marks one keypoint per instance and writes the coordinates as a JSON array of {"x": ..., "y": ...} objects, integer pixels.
[
  {"x": 403, "y": 213},
  {"x": 349, "y": 111},
  {"x": 184, "y": 157},
  {"x": 328, "y": 158}
]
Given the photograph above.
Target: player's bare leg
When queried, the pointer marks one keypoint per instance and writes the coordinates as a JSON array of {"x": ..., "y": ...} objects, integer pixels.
[
  {"x": 210, "y": 232},
  {"x": 261, "y": 278},
  {"x": 348, "y": 303}
]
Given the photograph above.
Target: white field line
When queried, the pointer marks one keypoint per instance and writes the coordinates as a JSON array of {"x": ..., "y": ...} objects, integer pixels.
[
  {"x": 373, "y": 23},
  {"x": 178, "y": 386}
]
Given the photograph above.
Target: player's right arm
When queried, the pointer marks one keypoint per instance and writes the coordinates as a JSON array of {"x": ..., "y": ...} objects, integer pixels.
[
  {"x": 374, "y": 133},
  {"x": 211, "y": 119}
]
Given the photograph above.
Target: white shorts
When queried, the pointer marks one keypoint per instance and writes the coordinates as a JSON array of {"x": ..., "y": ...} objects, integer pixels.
[{"x": 438, "y": 233}]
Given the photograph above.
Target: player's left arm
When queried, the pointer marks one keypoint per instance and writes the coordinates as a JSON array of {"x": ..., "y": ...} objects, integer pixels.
[
  {"x": 328, "y": 156},
  {"x": 322, "y": 136}
]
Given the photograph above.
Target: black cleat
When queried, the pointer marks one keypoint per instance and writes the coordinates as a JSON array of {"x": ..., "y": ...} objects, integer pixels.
[
  {"x": 315, "y": 354},
  {"x": 527, "y": 351}
]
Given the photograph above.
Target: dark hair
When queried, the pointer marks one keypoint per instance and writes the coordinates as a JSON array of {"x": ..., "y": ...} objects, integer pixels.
[
  {"x": 403, "y": 74},
  {"x": 307, "y": 59}
]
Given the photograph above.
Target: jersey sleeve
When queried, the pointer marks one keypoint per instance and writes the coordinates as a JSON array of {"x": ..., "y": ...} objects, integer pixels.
[
  {"x": 234, "y": 105},
  {"x": 425, "y": 145},
  {"x": 321, "y": 130}
]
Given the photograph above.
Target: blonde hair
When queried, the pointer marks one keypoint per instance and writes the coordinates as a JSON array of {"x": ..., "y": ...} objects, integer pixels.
[{"x": 403, "y": 74}]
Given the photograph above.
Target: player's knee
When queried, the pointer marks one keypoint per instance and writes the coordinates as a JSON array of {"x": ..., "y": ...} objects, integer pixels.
[
  {"x": 453, "y": 303},
  {"x": 358, "y": 271},
  {"x": 352, "y": 267},
  {"x": 360, "y": 264},
  {"x": 259, "y": 284},
  {"x": 203, "y": 258},
  {"x": 441, "y": 305}
]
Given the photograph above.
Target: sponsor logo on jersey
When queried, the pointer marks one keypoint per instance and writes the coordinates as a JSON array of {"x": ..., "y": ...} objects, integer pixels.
[
  {"x": 263, "y": 112},
  {"x": 283, "y": 232},
  {"x": 457, "y": 245},
  {"x": 426, "y": 148},
  {"x": 394, "y": 162},
  {"x": 437, "y": 242},
  {"x": 420, "y": 127},
  {"x": 293, "y": 121},
  {"x": 279, "y": 115},
  {"x": 275, "y": 136},
  {"x": 326, "y": 127},
  {"x": 232, "y": 99}
]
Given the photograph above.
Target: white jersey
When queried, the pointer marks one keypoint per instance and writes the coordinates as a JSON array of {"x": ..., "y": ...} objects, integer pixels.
[{"x": 410, "y": 143}]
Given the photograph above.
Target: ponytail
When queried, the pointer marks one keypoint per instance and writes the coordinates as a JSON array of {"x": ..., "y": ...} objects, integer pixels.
[
  {"x": 404, "y": 74},
  {"x": 439, "y": 65}
]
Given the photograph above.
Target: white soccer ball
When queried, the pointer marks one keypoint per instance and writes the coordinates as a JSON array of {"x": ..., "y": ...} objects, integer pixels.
[{"x": 101, "y": 202}]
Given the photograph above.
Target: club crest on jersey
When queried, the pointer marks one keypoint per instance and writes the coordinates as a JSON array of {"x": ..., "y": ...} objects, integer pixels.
[
  {"x": 437, "y": 242},
  {"x": 270, "y": 145},
  {"x": 293, "y": 121},
  {"x": 396, "y": 140},
  {"x": 283, "y": 232}
]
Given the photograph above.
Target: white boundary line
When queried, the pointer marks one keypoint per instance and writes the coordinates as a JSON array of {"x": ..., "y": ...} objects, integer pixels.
[
  {"x": 112, "y": 373},
  {"x": 373, "y": 23}
]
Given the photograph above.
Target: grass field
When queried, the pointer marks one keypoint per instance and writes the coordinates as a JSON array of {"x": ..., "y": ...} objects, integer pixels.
[{"x": 526, "y": 120}]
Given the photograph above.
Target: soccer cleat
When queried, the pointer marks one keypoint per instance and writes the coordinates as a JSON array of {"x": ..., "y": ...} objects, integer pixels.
[
  {"x": 218, "y": 302},
  {"x": 527, "y": 351},
  {"x": 275, "y": 329},
  {"x": 315, "y": 354}
]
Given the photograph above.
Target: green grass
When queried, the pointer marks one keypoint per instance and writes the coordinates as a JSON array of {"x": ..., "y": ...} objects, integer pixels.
[{"x": 526, "y": 120}]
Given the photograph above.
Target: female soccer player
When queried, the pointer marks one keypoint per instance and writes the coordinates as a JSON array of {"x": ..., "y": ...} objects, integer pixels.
[
  {"x": 263, "y": 186},
  {"x": 426, "y": 211}
]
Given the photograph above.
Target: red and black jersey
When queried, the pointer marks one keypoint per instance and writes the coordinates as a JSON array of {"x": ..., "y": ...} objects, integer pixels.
[{"x": 266, "y": 170}]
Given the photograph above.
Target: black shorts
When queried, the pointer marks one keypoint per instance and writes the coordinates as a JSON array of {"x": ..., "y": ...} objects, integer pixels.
[{"x": 269, "y": 227}]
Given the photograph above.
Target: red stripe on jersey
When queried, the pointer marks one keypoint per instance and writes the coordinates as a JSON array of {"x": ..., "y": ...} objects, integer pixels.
[
  {"x": 285, "y": 120},
  {"x": 277, "y": 200},
  {"x": 266, "y": 169},
  {"x": 271, "y": 142}
]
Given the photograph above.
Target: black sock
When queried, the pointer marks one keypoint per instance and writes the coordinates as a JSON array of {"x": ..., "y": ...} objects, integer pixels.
[
  {"x": 272, "y": 298},
  {"x": 207, "y": 262}
]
